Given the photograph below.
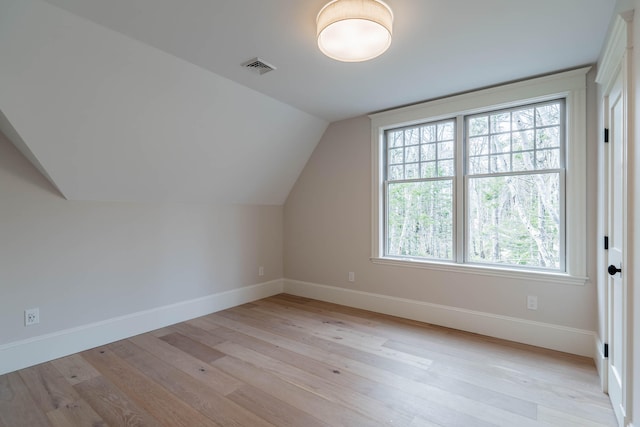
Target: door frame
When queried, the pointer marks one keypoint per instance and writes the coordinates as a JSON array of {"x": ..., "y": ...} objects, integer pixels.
[{"x": 616, "y": 60}]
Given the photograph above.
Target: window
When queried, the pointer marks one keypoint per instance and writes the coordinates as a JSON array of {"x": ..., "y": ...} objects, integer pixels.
[
  {"x": 514, "y": 185},
  {"x": 485, "y": 180},
  {"x": 420, "y": 173}
]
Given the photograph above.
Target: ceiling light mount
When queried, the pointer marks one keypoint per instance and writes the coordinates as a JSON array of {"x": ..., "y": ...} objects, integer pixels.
[{"x": 354, "y": 30}]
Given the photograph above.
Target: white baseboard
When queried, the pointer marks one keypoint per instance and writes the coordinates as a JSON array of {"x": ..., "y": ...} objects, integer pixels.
[
  {"x": 555, "y": 337},
  {"x": 21, "y": 354}
]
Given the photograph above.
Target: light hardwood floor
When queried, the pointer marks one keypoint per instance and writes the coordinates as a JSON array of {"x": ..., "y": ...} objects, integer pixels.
[{"x": 290, "y": 361}]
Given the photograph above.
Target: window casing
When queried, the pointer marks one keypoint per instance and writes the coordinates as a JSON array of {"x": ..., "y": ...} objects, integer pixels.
[{"x": 529, "y": 134}]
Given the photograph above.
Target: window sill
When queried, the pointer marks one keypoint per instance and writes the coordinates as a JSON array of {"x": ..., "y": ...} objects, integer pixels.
[{"x": 511, "y": 273}]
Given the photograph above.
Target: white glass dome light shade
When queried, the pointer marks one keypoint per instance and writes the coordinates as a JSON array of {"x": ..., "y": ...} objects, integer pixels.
[{"x": 354, "y": 30}]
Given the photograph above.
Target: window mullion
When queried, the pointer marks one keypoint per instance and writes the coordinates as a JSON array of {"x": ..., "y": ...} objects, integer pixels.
[{"x": 459, "y": 193}]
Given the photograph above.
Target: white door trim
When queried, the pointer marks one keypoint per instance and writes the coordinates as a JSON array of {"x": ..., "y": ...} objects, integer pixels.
[{"x": 615, "y": 62}]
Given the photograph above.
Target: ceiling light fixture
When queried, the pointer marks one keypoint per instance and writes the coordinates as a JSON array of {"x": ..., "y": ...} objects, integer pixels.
[{"x": 354, "y": 30}]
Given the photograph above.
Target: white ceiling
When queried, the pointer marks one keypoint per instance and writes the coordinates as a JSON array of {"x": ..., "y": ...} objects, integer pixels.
[
  {"x": 440, "y": 47},
  {"x": 146, "y": 100}
]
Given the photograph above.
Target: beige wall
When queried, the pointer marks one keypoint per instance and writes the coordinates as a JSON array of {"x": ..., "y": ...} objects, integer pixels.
[
  {"x": 84, "y": 262},
  {"x": 328, "y": 233}
]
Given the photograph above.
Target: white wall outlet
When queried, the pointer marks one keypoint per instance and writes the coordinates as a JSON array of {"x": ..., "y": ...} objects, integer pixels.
[
  {"x": 532, "y": 302},
  {"x": 352, "y": 276},
  {"x": 31, "y": 316},
  {"x": 261, "y": 271}
]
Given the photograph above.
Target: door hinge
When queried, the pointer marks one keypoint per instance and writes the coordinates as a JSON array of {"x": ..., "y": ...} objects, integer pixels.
[
  {"x": 606, "y": 135},
  {"x": 606, "y": 350},
  {"x": 606, "y": 242}
]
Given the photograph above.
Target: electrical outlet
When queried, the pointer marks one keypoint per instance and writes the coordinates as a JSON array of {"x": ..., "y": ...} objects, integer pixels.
[
  {"x": 261, "y": 271},
  {"x": 532, "y": 302},
  {"x": 352, "y": 276},
  {"x": 31, "y": 316}
]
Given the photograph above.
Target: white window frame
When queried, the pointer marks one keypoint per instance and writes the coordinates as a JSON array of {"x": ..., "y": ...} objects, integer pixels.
[{"x": 571, "y": 86}]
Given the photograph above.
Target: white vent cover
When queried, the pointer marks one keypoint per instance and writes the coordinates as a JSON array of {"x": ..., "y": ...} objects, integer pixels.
[{"x": 257, "y": 65}]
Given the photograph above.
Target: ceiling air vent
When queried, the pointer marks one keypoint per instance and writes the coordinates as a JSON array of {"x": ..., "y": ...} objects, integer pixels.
[{"x": 257, "y": 65}]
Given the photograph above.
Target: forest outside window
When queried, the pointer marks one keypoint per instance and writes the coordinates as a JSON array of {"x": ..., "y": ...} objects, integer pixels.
[
  {"x": 513, "y": 177},
  {"x": 515, "y": 185},
  {"x": 420, "y": 173}
]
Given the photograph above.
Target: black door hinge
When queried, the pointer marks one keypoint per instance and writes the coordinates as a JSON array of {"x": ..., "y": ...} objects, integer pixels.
[
  {"x": 606, "y": 242},
  {"x": 606, "y": 135},
  {"x": 606, "y": 350}
]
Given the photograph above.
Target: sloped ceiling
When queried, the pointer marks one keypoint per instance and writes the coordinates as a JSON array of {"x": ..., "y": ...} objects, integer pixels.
[
  {"x": 146, "y": 99},
  {"x": 109, "y": 118}
]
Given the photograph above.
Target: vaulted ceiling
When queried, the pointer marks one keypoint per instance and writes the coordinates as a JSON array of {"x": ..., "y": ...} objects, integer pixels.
[{"x": 146, "y": 100}]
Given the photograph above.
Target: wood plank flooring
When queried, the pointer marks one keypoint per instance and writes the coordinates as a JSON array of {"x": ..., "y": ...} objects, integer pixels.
[{"x": 290, "y": 361}]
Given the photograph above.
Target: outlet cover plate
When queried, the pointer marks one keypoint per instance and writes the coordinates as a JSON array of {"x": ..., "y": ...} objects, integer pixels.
[{"x": 31, "y": 316}]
